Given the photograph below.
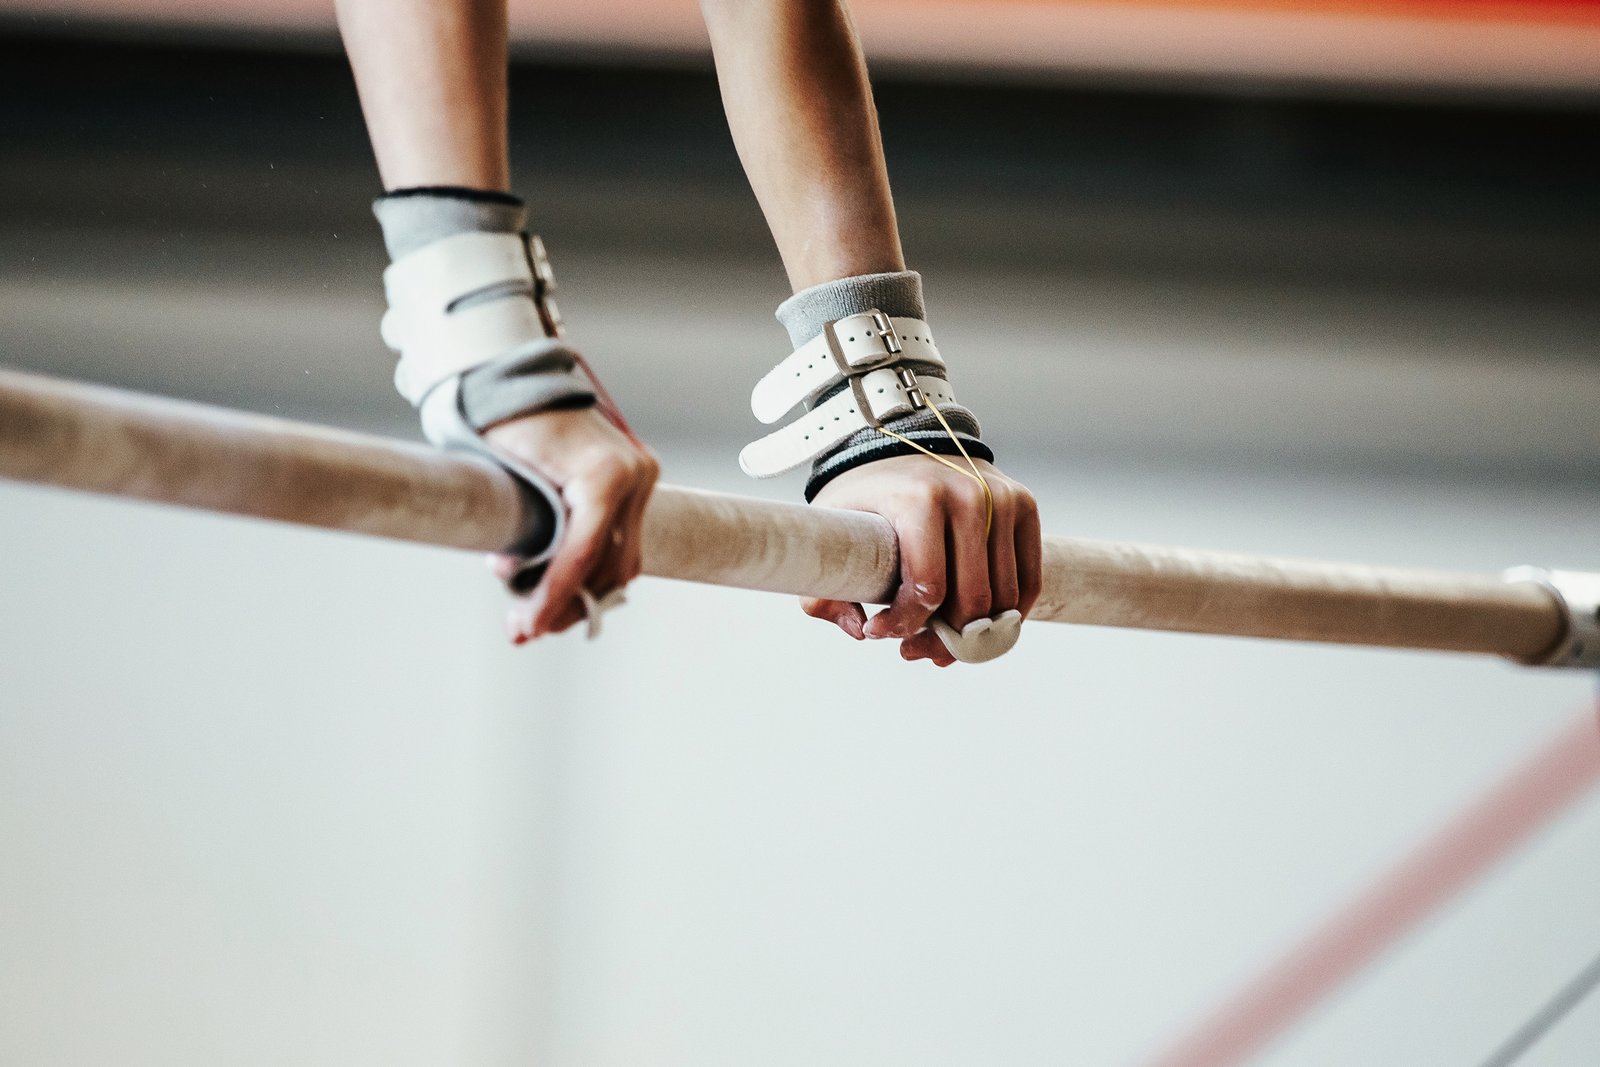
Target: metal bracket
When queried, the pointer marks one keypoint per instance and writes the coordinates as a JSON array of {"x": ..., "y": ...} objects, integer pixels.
[
  {"x": 544, "y": 284},
  {"x": 852, "y": 373},
  {"x": 888, "y": 339},
  {"x": 1578, "y": 594}
]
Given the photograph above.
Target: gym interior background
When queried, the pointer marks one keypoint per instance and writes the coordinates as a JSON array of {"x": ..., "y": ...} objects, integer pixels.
[{"x": 270, "y": 795}]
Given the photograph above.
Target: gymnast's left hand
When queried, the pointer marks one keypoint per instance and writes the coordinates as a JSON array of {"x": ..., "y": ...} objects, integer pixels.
[{"x": 947, "y": 565}]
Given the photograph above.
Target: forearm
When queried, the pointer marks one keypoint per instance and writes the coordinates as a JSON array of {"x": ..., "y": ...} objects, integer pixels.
[
  {"x": 794, "y": 84},
  {"x": 432, "y": 79}
]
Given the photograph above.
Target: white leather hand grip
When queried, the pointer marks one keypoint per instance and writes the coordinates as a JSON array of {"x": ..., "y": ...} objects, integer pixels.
[
  {"x": 980, "y": 640},
  {"x": 437, "y": 337}
]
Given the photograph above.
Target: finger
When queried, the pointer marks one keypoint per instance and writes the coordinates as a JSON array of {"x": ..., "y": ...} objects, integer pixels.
[
  {"x": 625, "y": 557},
  {"x": 926, "y": 645},
  {"x": 633, "y": 562},
  {"x": 520, "y": 617},
  {"x": 618, "y": 553},
  {"x": 1029, "y": 547},
  {"x": 922, "y": 575},
  {"x": 968, "y": 551},
  {"x": 569, "y": 616},
  {"x": 846, "y": 616},
  {"x": 592, "y": 512},
  {"x": 1004, "y": 590}
]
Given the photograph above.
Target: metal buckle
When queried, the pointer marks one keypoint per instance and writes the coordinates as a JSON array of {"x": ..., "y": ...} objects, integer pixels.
[
  {"x": 544, "y": 283},
  {"x": 886, "y": 332},
  {"x": 853, "y": 373},
  {"x": 887, "y": 337},
  {"x": 914, "y": 397}
]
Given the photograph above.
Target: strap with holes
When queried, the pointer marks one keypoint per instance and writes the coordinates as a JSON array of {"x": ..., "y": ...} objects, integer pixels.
[
  {"x": 453, "y": 305},
  {"x": 889, "y": 367},
  {"x": 849, "y": 346}
]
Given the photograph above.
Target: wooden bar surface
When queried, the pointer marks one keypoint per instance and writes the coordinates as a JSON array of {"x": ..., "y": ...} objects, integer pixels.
[{"x": 103, "y": 440}]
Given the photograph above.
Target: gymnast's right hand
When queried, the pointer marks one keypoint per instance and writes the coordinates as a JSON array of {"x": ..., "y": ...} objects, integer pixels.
[{"x": 605, "y": 479}]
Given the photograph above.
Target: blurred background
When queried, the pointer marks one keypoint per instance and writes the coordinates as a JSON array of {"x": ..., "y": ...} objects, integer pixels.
[{"x": 1290, "y": 277}]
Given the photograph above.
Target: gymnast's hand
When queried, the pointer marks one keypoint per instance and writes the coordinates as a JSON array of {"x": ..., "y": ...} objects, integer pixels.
[
  {"x": 945, "y": 564},
  {"x": 606, "y": 480}
]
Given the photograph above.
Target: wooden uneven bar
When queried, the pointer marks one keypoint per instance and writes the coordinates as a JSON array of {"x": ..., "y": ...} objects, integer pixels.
[{"x": 104, "y": 440}]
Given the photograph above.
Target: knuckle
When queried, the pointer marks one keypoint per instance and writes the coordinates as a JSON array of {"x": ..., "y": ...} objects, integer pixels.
[
  {"x": 639, "y": 466},
  {"x": 610, "y": 469},
  {"x": 927, "y": 495},
  {"x": 1008, "y": 496},
  {"x": 972, "y": 495}
]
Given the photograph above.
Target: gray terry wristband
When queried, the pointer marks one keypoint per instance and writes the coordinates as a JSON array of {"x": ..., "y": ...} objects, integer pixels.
[
  {"x": 898, "y": 295},
  {"x": 537, "y": 376}
]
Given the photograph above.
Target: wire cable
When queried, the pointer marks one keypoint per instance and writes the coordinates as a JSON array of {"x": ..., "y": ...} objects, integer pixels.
[{"x": 1546, "y": 1018}]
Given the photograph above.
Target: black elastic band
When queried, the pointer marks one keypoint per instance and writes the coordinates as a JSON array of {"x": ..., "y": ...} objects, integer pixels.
[
  {"x": 458, "y": 192},
  {"x": 938, "y": 444}
]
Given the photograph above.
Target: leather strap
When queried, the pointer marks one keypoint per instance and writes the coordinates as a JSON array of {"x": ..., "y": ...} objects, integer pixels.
[
  {"x": 439, "y": 338},
  {"x": 852, "y": 345},
  {"x": 873, "y": 398}
]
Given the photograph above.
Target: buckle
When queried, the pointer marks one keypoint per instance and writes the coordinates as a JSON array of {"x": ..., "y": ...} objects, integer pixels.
[
  {"x": 886, "y": 332},
  {"x": 544, "y": 283},
  {"x": 888, "y": 339},
  {"x": 908, "y": 380}
]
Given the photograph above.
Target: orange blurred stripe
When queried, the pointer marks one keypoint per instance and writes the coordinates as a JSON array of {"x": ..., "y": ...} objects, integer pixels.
[
  {"x": 1510, "y": 12},
  {"x": 1532, "y": 796}
]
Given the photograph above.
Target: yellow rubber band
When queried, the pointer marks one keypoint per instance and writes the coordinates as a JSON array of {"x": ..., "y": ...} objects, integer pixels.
[{"x": 974, "y": 473}]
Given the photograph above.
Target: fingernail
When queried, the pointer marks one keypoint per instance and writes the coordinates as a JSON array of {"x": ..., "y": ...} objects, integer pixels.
[
  {"x": 852, "y": 626},
  {"x": 534, "y": 622},
  {"x": 513, "y": 625}
]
